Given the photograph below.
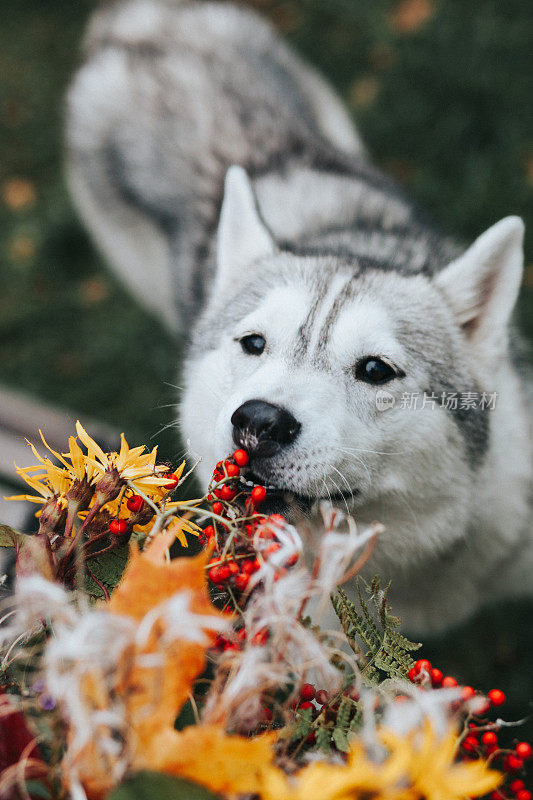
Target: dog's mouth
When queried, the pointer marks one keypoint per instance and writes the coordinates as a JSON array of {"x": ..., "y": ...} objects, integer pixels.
[{"x": 292, "y": 504}]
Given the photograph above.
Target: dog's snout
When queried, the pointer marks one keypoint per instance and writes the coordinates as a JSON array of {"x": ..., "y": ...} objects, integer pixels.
[{"x": 257, "y": 423}]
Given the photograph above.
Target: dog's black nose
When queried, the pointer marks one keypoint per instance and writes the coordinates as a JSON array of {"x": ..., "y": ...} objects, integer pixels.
[{"x": 262, "y": 427}]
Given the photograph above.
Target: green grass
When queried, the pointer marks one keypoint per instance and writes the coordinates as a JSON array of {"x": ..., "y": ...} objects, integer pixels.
[{"x": 445, "y": 105}]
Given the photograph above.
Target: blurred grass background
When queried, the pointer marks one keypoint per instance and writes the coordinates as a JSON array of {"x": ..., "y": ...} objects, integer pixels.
[{"x": 442, "y": 92}]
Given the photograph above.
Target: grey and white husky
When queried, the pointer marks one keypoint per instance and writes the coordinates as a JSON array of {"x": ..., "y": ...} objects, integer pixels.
[{"x": 359, "y": 355}]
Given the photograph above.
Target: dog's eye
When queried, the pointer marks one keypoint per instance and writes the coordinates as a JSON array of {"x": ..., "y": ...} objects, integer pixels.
[
  {"x": 374, "y": 370},
  {"x": 253, "y": 344}
]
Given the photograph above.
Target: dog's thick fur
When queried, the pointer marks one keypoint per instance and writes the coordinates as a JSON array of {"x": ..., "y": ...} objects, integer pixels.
[{"x": 323, "y": 256}]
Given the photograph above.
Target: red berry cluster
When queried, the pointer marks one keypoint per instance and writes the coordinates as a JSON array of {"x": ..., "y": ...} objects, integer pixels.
[
  {"x": 322, "y": 704},
  {"x": 481, "y": 738},
  {"x": 237, "y": 640},
  {"x": 140, "y": 512},
  {"x": 227, "y": 487},
  {"x": 234, "y": 526}
]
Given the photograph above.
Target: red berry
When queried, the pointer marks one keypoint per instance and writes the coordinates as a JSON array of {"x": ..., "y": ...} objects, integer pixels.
[
  {"x": 308, "y": 691},
  {"x": 352, "y": 693},
  {"x": 135, "y": 503},
  {"x": 470, "y": 743},
  {"x": 218, "y": 493},
  {"x": 448, "y": 682},
  {"x": 227, "y": 493},
  {"x": 496, "y": 796},
  {"x": 248, "y": 567},
  {"x": 241, "y": 458},
  {"x": 436, "y": 676},
  {"x": 422, "y": 665},
  {"x": 523, "y": 750},
  {"x": 213, "y": 574},
  {"x": 482, "y": 706},
  {"x": 232, "y": 470},
  {"x": 467, "y": 693},
  {"x": 173, "y": 481},
  {"x": 523, "y": 794},
  {"x": 496, "y": 697},
  {"x": 258, "y": 495},
  {"x": 292, "y": 560},
  {"x": 512, "y": 763},
  {"x": 413, "y": 675},
  {"x": 118, "y": 527},
  {"x": 265, "y": 533},
  {"x": 218, "y": 508},
  {"x": 517, "y": 785},
  {"x": 261, "y": 637},
  {"x": 321, "y": 697},
  {"x": 303, "y": 706},
  {"x": 489, "y": 738},
  {"x": 233, "y": 568},
  {"x": 241, "y": 581},
  {"x": 223, "y": 573}
]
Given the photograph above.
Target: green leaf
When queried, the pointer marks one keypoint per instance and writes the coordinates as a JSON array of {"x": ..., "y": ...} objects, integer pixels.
[
  {"x": 38, "y": 790},
  {"x": 387, "y": 650},
  {"x": 108, "y": 569},
  {"x": 186, "y": 717},
  {"x": 357, "y": 722},
  {"x": 304, "y": 724},
  {"x": 344, "y": 714},
  {"x": 10, "y": 537},
  {"x": 157, "y": 786},
  {"x": 341, "y": 740},
  {"x": 323, "y": 740}
]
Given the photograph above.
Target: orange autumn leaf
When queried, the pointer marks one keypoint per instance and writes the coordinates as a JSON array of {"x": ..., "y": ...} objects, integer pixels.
[
  {"x": 205, "y": 754},
  {"x": 155, "y": 676},
  {"x": 157, "y": 693}
]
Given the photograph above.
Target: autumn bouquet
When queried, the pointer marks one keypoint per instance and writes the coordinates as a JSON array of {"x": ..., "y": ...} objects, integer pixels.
[{"x": 130, "y": 670}]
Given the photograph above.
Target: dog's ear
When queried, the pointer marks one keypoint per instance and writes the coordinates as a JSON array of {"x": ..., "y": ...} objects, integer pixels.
[
  {"x": 482, "y": 285},
  {"x": 242, "y": 236}
]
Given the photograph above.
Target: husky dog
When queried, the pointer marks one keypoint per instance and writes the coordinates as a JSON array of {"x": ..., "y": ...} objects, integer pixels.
[{"x": 356, "y": 353}]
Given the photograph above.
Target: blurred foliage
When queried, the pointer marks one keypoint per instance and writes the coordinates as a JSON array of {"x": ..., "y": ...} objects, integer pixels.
[{"x": 442, "y": 92}]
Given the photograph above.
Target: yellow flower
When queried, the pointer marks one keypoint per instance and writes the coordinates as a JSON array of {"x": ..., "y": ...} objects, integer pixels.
[
  {"x": 131, "y": 463},
  {"x": 77, "y": 464},
  {"x": 236, "y": 765},
  {"x": 435, "y": 776},
  {"x": 418, "y": 767},
  {"x": 55, "y": 480},
  {"x": 179, "y": 527},
  {"x": 52, "y": 481},
  {"x": 119, "y": 508}
]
